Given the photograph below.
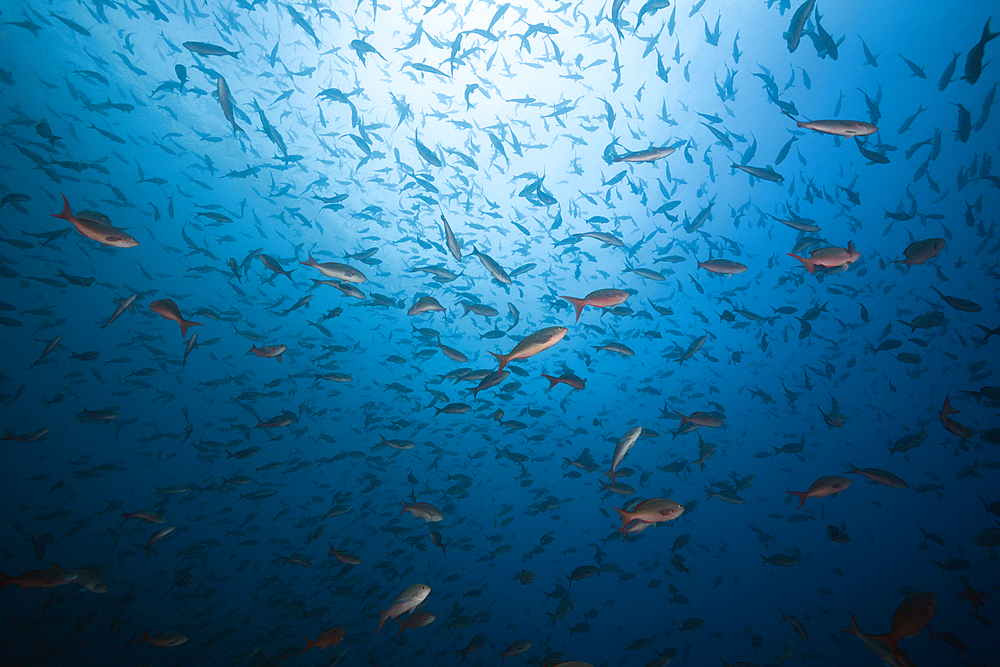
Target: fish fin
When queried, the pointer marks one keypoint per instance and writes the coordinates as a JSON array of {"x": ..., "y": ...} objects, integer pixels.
[
  {"x": 66, "y": 213},
  {"x": 854, "y": 629},
  {"x": 187, "y": 324},
  {"x": 807, "y": 263},
  {"x": 578, "y": 305},
  {"x": 801, "y": 495},
  {"x": 500, "y": 358}
]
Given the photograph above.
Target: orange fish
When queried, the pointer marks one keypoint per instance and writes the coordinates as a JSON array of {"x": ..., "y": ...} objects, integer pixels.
[
  {"x": 96, "y": 230},
  {"x": 602, "y": 298},
  {"x": 566, "y": 378},
  {"x": 38, "y": 578},
  {"x": 654, "y": 510},
  {"x": 830, "y": 258},
  {"x": 331, "y": 637},
  {"x": 829, "y": 485},
  {"x": 168, "y": 310}
]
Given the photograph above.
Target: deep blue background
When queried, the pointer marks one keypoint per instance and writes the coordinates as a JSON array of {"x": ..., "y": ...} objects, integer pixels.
[{"x": 226, "y": 594}]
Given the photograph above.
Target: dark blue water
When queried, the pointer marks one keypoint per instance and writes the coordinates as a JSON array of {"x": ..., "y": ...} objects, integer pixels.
[{"x": 357, "y": 130}]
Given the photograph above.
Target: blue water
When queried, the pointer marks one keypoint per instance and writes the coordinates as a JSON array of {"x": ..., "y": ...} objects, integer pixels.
[{"x": 506, "y": 123}]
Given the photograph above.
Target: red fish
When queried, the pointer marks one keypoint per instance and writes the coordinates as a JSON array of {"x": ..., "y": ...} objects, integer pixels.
[
  {"x": 331, "y": 637},
  {"x": 566, "y": 378},
  {"x": 602, "y": 298},
  {"x": 168, "y": 310},
  {"x": 829, "y": 485},
  {"x": 95, "y": 230},
  {"x": 830, "y": 258}
]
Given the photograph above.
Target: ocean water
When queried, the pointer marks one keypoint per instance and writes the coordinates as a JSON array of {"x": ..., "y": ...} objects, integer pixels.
[{"x": 302, "y": 179}]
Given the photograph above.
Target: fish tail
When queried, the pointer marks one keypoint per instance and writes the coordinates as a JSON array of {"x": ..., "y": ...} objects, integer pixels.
[
  {"x": 5, "y": 579},
  {"x": 552, "y": 382},
  {"x": 801, "y": 495},
  {"x": 855, "y": 629},
  {"x": 987, "y": 35},
  {"x": 187, "y": 324},
  {"x": 808, "y": 263},
  {"x": 626, "y": 516},
  {"x": 502, "y": 359},
  {"x": 66, "y": 213},
  {"x": 401, "y": 627},
  {"x": 578, "y": 305},
  {"x": 383, "y": 615}
]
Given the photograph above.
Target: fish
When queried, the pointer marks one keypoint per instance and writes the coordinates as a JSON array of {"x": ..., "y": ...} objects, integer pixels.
[
  {"x": 974, "y": 59},
  {"x": 168, "y": 310},
  {"x": 794, "y": 33},
  {"x": 653, "y": 510},
  {"x": 651, "y": 154},
  {"x": 531, "y": 345},
  {"x": 830, "y": 257},
  {"x": 226, "y": 102},
  {"x": 625, "y": 443},
  {"x": 602, "y": 298},
  {"x": 878, "y": 476},
  {"x": 96, "y": 230},
  {"x": 411, "y": 598},
  {"x": 828, "y": 485},
  {"x": 337, "y": 271},
  {"x": 726, "y": 267},
  {"x": 498, "y": 272},
  {"x": 919, "y": 252},
  {"x": 204, "y": 49},
  {"x": 765, "y": 174},
  {"x": 268, "y": 351},
  {"x": 839, "y": 128}
]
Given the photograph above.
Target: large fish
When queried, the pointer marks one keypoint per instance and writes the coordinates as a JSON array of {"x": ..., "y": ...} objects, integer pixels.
[
  {"x": 168, "y": 310},
  {"x": 602, "y": 298},
  {"x": 99, "y": 231},
  {"x": 840, "y": 128},
  {"x": 974, "y": 61},
  {"x": 831, "y": 257},
  {"x": 794, "y": 34},
  {"x": 829, "y": 485},
  {"x": 532, "y": 345},
  {"x": 347, "y": 274}
]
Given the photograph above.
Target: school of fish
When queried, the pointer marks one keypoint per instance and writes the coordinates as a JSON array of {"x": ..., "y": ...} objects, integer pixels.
[{"x": 534, "y": 296}]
